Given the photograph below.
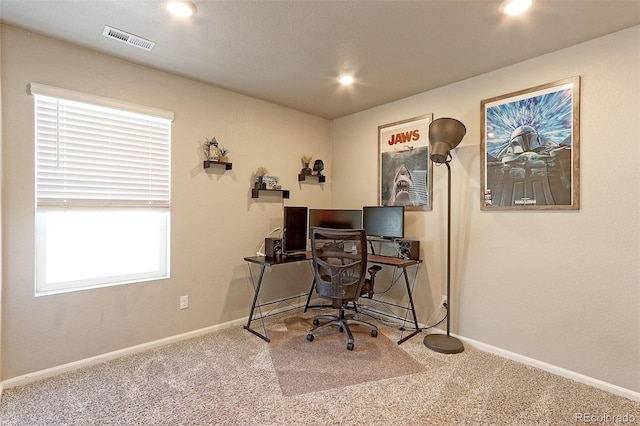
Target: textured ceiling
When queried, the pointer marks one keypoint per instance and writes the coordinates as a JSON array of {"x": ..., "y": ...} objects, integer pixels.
[{"x": 290, "y": 52}]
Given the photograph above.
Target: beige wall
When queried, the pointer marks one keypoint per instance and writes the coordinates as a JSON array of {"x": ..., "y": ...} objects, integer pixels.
[
  {"x": 1, "y": 204},
  {"x": 557, "y": 286},
  {"x": 215, "y": 222}
]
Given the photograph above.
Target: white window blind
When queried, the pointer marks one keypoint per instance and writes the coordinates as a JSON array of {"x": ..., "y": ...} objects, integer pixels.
[
  {"x": 94, "y": 155},
  {"x": 108, "y": 164}
]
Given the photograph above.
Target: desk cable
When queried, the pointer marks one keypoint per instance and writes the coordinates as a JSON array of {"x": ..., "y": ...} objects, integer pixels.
[
  {"x": 394, "y": 324},
  {"x": 446, "y": 313}
]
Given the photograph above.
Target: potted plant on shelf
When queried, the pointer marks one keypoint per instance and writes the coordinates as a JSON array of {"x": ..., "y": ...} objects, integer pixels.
[
  {"x": 223, "y": 158},
  {"x": 260, "y": 174}
]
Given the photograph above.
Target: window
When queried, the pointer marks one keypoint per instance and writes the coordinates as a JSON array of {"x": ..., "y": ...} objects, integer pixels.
[{"x": 103, "y": 191}]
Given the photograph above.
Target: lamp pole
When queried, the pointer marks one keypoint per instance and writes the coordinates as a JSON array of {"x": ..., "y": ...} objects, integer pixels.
[{"x": 446, "y": 344}]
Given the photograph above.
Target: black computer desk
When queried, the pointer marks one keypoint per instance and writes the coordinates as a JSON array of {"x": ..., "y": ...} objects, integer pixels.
[{"x": 267, "y": 262}]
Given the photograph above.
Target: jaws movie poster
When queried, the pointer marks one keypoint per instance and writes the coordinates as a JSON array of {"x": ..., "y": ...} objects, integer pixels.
[{"x": 405, "y": 172}]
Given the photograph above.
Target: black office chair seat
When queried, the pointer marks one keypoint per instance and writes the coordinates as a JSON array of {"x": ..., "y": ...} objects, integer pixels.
[{"x": 339, "y": 263}]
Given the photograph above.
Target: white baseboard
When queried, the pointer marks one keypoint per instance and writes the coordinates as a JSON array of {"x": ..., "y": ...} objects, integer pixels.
[
  {"x": 558, "y": 371},
  {"x": 54, "y": 371},
  {"x": 98, "y": 359}
]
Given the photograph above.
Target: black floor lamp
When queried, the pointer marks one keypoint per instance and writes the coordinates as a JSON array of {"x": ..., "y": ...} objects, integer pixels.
[{"x": 444, "y": 135}]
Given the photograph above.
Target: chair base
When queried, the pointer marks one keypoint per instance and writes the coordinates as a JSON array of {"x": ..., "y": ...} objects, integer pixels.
[{"x": 342, "y": 321}]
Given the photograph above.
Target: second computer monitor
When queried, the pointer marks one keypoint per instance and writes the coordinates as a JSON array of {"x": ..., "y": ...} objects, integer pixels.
[
  {"x": 383, "y": 221},
  {"x": 335, "y": 218},
  {"x": 294, "y": 235}
]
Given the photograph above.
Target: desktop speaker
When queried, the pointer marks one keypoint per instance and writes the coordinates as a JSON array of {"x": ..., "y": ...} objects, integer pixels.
[
  {"x": 409, "y": 249},
  {"x": 273, "y": 247}
]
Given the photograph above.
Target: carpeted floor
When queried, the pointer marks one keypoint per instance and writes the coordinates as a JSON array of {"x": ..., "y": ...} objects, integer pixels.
[
  {"x": 305, "y": 367},
  {"x": 228, "y": 378}
]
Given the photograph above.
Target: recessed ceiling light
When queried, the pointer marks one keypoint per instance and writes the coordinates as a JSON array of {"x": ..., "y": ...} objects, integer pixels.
[
  {"x": 515, "y": 7},
  {"x": 181, "y": 8},
  {"x": 346, "y": 80}
]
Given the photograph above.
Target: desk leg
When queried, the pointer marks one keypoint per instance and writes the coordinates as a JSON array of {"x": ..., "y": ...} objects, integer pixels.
[
  {"x": 413, "y": 309},
  {"x": 307, "y": 305},
  {"x": 313, "y": 287},
  {"x": 253, "y": 307}
]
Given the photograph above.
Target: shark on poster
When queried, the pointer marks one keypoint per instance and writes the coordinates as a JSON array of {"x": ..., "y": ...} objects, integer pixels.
[{"x": 405, "y": 175}]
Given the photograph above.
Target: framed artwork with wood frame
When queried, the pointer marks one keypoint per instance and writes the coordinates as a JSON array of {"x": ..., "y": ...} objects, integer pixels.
[
  {"x": 530, "y": 148},
  {"x": 405, "y": 173}
]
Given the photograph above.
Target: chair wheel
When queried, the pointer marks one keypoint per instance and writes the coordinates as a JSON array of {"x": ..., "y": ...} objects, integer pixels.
[
  {"x": 310, "y": 337},
  {"x": 350, "y": 346},
  {"x": 374, "y": 333},
  {"x": 316, "y": 321}
]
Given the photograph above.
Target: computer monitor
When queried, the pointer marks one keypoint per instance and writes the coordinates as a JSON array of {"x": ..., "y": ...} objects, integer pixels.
[
  {"x": 294, "y": 230},
  {"x": 335, "y": 218},
  {"x": 383, "y": 221}
]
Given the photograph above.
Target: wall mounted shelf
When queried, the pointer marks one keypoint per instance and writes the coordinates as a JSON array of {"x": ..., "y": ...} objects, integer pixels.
[
  {"x": 255, "y": 193},
  {"x": 302, "y": 177},
  {"x": 209, "y": 163}
]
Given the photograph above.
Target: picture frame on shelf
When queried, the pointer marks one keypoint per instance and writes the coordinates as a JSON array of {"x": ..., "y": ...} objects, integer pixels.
[
  {"x": 530, "y": 148},
  {"x": 271, "y": 182},
  {"x": 405, "y": 173}
]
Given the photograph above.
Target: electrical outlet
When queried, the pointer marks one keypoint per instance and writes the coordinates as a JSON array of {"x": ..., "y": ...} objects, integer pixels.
[
  {"x": 184, "y": 302},
  {"x": 443, "y": 302}
]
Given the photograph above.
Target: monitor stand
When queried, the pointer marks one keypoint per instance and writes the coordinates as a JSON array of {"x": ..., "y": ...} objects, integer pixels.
[{"x": 295, "y": 254}]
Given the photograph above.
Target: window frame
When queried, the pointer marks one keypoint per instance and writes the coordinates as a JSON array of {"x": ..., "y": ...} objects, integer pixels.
[{"x": 106, "y": 188}]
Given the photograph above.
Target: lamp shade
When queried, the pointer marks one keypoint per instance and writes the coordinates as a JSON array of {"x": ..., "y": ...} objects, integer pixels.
[{"x": 444, "y": 135}]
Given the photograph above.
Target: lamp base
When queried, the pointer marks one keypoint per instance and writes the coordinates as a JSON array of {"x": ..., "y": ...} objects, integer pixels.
[{"x": 443, "y": 344}]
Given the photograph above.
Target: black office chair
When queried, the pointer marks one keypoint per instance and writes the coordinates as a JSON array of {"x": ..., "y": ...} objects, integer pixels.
[
  {"x": 367, "y": 287},
  {"x": 339, "y": 265}
]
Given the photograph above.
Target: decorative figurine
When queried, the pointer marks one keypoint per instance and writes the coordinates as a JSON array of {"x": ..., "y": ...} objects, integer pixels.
[
  {"x": 306, "y": 160},
  {"x": 318, "y": 167},
  {"x": 211, "y": 149},
  {"x": 260, "y": 174}
]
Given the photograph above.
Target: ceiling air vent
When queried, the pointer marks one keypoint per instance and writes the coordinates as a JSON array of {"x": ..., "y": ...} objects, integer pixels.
[{"x": 125, "y": 37}]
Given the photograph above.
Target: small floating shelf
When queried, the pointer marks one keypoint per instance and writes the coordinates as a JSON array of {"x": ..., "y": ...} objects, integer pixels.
[
  {"x": 209, "y": 163},
  {"x": 255, "y": 193},
  {"x": 302, "y": 177}
]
